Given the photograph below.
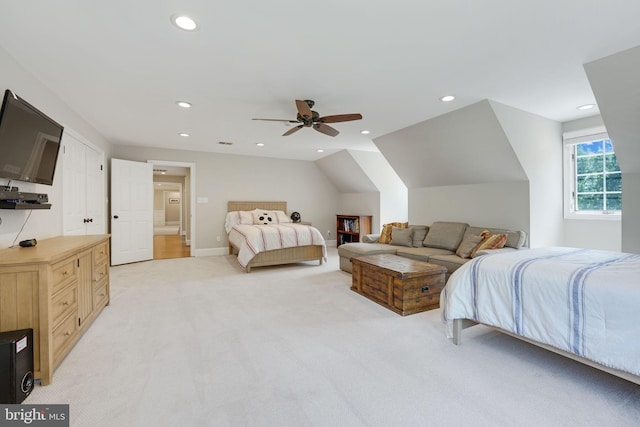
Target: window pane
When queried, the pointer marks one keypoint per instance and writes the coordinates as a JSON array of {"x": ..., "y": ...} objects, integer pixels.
[
  {"x": 589, "y": 164},
  {"x": 614, "y": 182},
  {"x": 590, "y": 183},
  {"x": 608, "y": 146},
  {"x": 590, "y": 202},
  {"x": 614, "y": 202},
  {"x": 611, "y": 163},
  {"x": 594, "y": 147}
]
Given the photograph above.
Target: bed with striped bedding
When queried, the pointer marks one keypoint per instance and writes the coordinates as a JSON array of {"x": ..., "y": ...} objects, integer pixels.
[
  {"x": 581, "y": 303},
  {"x": 252, "y": 240}
]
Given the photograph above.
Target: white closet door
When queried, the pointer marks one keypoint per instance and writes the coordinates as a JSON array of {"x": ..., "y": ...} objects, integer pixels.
[
  {"x": 83, "y": 178},
  {"x": 95, "y": 192},
  {"x": 74, "y": 186}
]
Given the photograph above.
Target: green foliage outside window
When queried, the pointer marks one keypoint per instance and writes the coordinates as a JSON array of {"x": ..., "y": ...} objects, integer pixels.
[{"x": 598, "y": 177}]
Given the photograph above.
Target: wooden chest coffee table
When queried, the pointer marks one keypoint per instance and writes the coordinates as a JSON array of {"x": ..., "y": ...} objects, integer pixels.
[{"x": 401, "y": 284}]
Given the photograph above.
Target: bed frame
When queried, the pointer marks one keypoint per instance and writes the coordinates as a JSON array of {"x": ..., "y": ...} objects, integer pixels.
[
  {"x": 277, "y": 256},
  {"x": 460, "y": 324}
]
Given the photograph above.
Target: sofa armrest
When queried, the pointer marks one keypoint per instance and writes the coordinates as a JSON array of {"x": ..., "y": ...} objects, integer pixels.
[{"x": 370, "y": 238}]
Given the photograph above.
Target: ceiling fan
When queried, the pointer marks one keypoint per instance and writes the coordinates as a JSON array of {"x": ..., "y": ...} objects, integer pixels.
[{"x": 309, "y": 118}]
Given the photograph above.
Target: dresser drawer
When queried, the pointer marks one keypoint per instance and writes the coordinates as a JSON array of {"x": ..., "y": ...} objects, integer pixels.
[
  {"x": 101, "y": 253},
  {"x": 63, "y": 271},
  {"x": 63, "y": 337},
  {"x": 100, "y": 294},
  {"x": 101, "y": 272},
  {"x": 63, "y": 303}
]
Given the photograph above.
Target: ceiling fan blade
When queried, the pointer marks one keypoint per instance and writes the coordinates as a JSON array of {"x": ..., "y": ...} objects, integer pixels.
[
  {"x": 292, "y": 130},
  {"x": 304, "y": 109},
  {"x": 278, "y": 120},
  {"x": 326, "y": 129},
  {"x": 340, "y": 118}
]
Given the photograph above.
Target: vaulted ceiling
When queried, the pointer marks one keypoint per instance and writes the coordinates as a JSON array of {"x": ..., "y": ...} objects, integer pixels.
[{"x": 122, "y": 64}]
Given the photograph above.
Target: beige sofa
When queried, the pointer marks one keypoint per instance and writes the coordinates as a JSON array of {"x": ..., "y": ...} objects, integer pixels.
[{"x": 436, "y": 244}]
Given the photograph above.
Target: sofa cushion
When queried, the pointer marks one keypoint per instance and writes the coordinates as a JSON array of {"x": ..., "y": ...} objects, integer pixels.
[
  {"x": 385, "y": 234},
  {"x": 351, "y": 250},
  {"x": 515, "y": 239},
  {"x": 419, "y": 233},
  {"x": 401, "y": 236},
  {"x": 421, "y": 254},
  {"x": 445, "y": 235},
  {"x": 468, "y": 245},
  {"x": 451, "y": 262}
]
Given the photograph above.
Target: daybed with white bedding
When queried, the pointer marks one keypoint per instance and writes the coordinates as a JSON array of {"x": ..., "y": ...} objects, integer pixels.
[
  {"x": 280, "y": 242},
  {"x": 582, "y": 303}
]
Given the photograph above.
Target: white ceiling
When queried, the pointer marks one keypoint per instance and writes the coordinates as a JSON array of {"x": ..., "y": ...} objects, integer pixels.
[{"x": 122, "y": 65}]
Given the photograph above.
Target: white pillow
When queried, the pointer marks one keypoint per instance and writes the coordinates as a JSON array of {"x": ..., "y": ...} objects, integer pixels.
[{"x": 237, "y": 217}]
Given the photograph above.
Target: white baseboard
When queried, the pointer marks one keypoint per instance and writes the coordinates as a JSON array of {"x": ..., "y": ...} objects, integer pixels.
[{"x": 212, "y": 251}]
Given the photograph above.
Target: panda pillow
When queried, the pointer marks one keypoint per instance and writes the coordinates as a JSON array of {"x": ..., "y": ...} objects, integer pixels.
[{"x": 264, "y": 218}]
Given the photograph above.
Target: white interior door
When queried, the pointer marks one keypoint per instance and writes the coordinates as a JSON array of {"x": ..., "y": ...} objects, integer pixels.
[
  {"x": 131, "y": 211},
  {"x": 95, "y": 192}
]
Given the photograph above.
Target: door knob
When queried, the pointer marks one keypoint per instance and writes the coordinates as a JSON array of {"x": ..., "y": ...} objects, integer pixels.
[{"x": 115, "y": 217}]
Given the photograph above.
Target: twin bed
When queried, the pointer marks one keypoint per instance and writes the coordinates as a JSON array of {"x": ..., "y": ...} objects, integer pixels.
[
  {"x": 581, "y": 303},
  {"x": 279, "y": 242}
]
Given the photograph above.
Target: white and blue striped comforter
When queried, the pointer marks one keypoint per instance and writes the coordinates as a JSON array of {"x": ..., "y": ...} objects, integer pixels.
[{"x": 585, "y": 302}]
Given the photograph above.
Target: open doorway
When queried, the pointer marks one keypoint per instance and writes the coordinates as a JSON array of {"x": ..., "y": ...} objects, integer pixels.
[{"x": 172, "y": 209}]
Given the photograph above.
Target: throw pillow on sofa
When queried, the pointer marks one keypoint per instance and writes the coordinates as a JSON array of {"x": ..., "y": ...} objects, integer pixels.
[
  {"x": 385, "y": 234},
  {"x": 490, "y": 241},
  {"x": 401, "y": 236},
  {"x": 445, "y": 235},
  {"x": 468, "y": 245},
  {"x": 419, "y": 233}
]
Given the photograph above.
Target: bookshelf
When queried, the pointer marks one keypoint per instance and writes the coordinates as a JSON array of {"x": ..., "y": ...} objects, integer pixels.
[{"x": 350, "y": 228}]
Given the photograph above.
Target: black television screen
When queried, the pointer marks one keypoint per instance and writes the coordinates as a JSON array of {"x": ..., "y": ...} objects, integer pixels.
[{"x": 29, "y": 142}]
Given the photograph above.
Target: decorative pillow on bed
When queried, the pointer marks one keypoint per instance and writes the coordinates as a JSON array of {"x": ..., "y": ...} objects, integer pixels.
[
  {"x": 237, "y": 217},
  {"x": 401, "y": 236},
  {"x": 263, "y": 216},
  {"x": 385, "y": 234},
  {"x": 490, "y": 241}
]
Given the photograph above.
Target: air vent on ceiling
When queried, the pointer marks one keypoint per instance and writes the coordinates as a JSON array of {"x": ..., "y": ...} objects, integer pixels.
[
  {"x": 160, "y": 170},
  {"x": 225, "y": 143}
]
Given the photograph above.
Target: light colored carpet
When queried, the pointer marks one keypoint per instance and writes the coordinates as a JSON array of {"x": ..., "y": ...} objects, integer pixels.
[{"x": 198, "y": 342}]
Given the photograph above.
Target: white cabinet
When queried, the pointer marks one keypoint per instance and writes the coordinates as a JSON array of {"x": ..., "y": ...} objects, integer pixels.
[{"x": 83, "y": 177}]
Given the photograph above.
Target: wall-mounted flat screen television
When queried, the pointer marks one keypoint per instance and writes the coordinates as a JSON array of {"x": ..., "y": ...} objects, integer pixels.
[{"x": 29, "y": 142}]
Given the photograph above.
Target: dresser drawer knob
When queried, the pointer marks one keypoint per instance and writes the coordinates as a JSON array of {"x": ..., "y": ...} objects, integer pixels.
[
  {"x": 65, "y": 303},
  {"x": 425, "y": 289},
  {"x": 66, "y": 334}
]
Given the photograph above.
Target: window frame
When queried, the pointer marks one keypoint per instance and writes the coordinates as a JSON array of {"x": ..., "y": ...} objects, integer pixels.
[{"x": 569, "y": 140}]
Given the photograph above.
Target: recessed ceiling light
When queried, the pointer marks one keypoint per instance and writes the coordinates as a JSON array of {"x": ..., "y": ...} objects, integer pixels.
[
  {"x": 260, "y": 144},
  {"x": 320, "y": 150},
  {"x": 365, "y": 132},
  {"x": 184, "y": 22},
  {"x": 586, "y": 106},
  {"x": 447, "y": 98},
  {"x": 184, "y": 104},
  {"x": 183, "y": 134}
]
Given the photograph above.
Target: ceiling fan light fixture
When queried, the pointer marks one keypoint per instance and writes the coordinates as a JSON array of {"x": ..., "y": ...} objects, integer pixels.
[
  {"x": 184, "y": 104},
  {"x": 447, "y": 98},
  {"x": 184, "y": 22}
]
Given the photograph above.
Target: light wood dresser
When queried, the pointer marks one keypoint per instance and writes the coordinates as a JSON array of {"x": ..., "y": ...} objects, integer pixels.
[{"x": 57, "y": 288}]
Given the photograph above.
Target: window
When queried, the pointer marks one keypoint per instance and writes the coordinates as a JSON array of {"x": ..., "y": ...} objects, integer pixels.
[{"x": 593, "y": 181}]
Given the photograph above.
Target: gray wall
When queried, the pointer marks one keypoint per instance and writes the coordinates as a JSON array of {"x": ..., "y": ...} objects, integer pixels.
[{"x": 223, "y": 177}]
